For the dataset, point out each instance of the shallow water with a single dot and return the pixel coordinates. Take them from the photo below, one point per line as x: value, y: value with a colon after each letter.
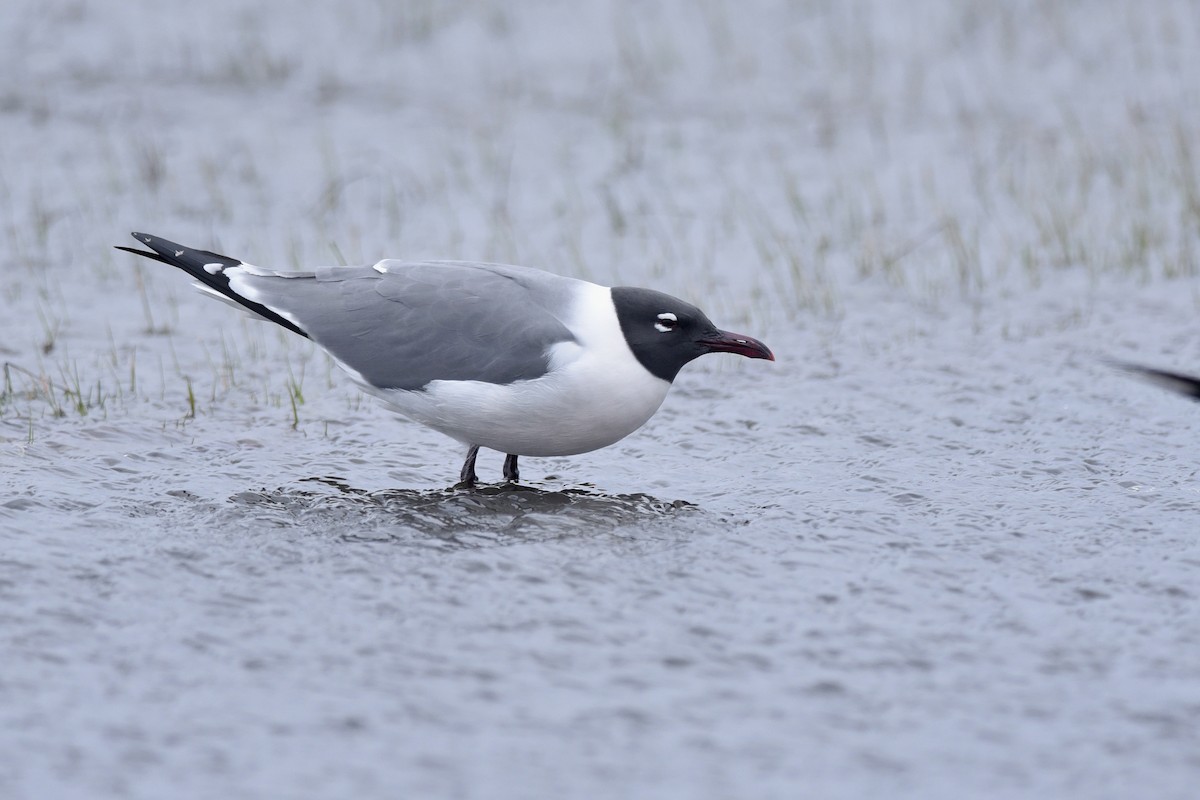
x: 938, y: 549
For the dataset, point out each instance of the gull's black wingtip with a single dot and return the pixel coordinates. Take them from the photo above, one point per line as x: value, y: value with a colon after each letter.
x: 208, y: 268
x: 145, y: 253
x: 145, y: 238
x: 1186, y: 385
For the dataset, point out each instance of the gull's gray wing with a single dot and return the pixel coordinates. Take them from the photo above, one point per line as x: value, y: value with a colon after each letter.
x: 401, y: 324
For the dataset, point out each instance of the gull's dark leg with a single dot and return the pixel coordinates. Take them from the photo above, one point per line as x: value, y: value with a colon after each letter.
x: 511, y: 474
x: 467, y: 477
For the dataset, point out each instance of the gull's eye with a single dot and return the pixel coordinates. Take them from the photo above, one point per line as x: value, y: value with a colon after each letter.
x: 667, y: 322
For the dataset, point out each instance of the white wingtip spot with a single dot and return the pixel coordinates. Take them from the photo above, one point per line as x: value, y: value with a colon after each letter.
x: 379, y: 267
x: 213, y: 269
x: 178, y: 253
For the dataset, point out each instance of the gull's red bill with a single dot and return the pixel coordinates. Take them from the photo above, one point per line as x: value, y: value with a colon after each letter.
x: 748, y: 346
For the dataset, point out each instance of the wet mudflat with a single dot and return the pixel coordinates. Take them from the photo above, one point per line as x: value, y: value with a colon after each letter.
x: 938, y: 549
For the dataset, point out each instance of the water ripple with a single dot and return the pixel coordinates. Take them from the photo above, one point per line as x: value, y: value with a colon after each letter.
x: 445, y: 519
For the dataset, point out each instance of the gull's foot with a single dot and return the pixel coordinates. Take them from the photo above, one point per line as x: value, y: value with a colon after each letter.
x: 466, y: 477
x: 511, y: 473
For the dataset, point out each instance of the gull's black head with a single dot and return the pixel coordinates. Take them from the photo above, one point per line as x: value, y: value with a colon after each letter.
x: 665, y: 333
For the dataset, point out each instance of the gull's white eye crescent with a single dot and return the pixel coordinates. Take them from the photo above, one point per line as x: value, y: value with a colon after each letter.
x: 667, y: 322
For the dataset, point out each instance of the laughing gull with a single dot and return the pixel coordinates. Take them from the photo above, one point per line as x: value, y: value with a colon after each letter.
x: 509, y: 358
x: 1175, y: 381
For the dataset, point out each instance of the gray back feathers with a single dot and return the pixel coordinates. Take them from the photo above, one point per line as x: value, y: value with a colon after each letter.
x: 401, y: 325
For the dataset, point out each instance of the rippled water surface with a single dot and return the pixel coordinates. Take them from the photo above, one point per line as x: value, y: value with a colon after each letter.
x: 938, y: 549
